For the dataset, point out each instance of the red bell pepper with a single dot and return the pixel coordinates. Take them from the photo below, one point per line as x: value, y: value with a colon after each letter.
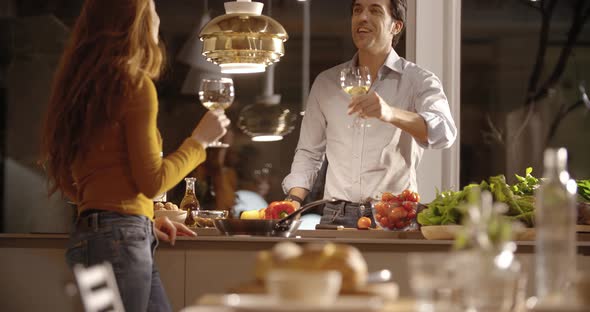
x: 278, y: 210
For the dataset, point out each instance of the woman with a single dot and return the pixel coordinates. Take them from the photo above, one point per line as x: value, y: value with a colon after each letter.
x: 101, y: 146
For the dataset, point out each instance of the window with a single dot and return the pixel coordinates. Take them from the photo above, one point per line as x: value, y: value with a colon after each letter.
x: 500, y: 134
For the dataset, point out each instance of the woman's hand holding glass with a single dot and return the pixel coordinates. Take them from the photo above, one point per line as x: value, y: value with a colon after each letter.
x: 217, y: 95
x: 211, y: 127
x: 355, y: 81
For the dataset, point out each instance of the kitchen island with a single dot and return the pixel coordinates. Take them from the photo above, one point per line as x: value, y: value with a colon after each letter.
x: 33, y: 273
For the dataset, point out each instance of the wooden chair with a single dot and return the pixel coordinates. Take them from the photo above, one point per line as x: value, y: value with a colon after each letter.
x: 98, y: 288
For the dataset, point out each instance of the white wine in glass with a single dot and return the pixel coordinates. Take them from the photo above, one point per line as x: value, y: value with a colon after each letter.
x: 217, y: 94
x: 356, y: 90
x: 355, y: 81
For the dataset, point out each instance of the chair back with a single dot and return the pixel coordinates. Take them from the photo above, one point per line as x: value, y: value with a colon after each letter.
x: 98, y: 288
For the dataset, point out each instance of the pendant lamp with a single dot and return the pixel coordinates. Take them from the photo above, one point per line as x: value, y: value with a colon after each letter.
x: 243, y: 40
x: 267, y: 120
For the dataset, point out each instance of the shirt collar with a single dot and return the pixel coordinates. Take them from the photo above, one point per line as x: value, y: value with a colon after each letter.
x: 392, y: 62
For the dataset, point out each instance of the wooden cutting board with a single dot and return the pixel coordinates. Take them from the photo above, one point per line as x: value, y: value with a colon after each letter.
x: 448, y: 232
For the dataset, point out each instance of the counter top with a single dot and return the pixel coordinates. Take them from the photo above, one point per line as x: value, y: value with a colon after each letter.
x: 210, y: 237
x: 211, y: 263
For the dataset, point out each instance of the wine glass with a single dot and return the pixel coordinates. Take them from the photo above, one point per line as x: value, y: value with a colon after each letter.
x: 217, y: 94
x: 355, y: 81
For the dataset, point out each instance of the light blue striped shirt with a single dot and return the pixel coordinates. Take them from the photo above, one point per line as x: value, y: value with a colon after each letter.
x: 366, y: 161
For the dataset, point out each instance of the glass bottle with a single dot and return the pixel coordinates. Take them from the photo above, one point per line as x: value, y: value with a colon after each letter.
x: 190, y: 202
x: 488, y: 251
x: 555, y: 222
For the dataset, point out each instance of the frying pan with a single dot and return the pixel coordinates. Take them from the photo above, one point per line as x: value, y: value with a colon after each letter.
x: 282, y: 228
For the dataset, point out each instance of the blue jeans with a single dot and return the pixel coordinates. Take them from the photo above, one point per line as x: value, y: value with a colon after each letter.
x: 346, y: 213
x: 128, y: 243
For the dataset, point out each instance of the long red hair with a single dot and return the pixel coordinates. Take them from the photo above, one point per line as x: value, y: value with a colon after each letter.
x: 111, y: 48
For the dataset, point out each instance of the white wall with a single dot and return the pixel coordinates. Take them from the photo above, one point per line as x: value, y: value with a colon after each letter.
x: 433, y: 42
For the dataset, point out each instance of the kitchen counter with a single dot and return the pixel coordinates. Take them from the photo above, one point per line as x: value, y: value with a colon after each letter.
x: 209, y: 263
x: 360, y: 238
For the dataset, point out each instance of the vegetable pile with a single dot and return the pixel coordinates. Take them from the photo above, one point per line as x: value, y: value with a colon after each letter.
x: 584, y: 190
x: 275, y: 210
x: 447, y: 207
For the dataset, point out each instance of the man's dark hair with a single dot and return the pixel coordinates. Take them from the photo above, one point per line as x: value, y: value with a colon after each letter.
x: 398, y: 10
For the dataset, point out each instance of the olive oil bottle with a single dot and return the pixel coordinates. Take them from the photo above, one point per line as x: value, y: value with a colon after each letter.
x: 190, y: 202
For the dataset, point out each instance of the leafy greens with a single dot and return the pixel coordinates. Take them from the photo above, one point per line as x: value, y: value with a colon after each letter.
x: 446, y: 208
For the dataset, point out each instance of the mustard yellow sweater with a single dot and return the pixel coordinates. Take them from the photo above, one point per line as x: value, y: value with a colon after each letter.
x: 123, y: 169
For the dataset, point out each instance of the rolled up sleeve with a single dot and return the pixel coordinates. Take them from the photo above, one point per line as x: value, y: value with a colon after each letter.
x: 431, y: 103
x: 311, y: 148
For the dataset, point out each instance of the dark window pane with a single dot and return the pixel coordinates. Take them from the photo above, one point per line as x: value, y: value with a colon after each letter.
x: 500, y: 133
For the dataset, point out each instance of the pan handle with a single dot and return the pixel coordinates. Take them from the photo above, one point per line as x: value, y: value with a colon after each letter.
x: 304, y: 208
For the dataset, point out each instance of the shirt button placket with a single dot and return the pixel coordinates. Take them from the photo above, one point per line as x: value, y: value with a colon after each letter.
x: 357, y: 163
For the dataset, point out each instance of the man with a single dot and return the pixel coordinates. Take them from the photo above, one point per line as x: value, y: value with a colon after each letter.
x: 404, y: 112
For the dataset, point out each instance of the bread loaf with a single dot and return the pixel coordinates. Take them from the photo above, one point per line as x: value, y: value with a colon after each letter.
x: 343, y: 258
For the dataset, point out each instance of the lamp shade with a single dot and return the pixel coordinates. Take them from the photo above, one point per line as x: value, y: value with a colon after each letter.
x: 243, y: 40
x: 266, y: 122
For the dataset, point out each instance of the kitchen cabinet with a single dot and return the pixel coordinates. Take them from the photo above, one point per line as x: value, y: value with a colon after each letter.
x: 33, y: 272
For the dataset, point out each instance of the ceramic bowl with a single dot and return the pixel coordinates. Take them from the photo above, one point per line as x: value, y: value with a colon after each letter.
x: 317, y: 288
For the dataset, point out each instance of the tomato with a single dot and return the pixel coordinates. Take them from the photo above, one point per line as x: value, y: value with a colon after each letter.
x: 398, y: 213
x: 387, y: 196
x: 413, y: 197
x: 381, y: 208
x: 405, y: 194
x: 412, y: 214
x: 392, y: 218
x: 400, y: 224
x: 384, y: 221
x: 363, y: 223
x: 378, y: 216
x: 408, y: 205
